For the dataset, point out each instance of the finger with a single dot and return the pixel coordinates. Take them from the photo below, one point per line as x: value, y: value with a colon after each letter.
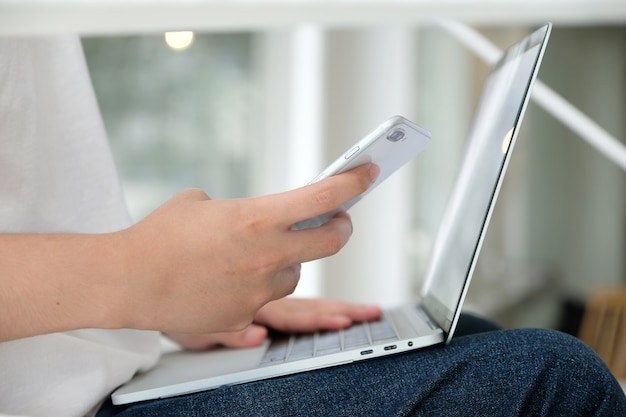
x: 305, y: 315
x: 313, y: 323
x: 361, y: 312
x: 253, y: 335
x: 323, y: 196
x: 286, y: 281
x: 320, y: 242
x: 332, y: 320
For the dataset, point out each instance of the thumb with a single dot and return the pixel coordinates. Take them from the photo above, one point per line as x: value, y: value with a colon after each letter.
x: 251, y: 336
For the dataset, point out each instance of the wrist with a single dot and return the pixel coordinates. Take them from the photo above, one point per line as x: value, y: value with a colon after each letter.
x: 114, y: 288
x: 52, y: 283
x: 93, y: 293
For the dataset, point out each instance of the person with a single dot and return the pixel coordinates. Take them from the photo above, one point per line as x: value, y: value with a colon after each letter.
x: 85, y: 295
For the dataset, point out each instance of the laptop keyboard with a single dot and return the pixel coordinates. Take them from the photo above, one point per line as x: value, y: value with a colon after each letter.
x: 309, y: 345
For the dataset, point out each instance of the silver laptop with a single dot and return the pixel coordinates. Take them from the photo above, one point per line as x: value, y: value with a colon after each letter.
x: 426, y: 322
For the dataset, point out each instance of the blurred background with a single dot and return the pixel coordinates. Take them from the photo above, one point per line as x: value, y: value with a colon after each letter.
x: 260, y: 96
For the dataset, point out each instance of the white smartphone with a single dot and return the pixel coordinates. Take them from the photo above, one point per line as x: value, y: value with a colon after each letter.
x: 390, y: 146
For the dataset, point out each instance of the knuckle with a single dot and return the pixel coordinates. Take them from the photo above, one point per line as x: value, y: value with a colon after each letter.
x: 334, y: 243
x: 195, y: 194
x: 242, y: 323
x: 364, y: 184
x: 292, y: 280
x: 290, y: 291
x: 254, y: 225
x: 297, y: 269
x: 253, y: 222
x: 266, y: 264
x: 326, y: 197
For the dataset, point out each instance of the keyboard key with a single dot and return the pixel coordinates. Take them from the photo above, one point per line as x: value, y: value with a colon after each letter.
x: 302, y: 348
x: 328, y: 342
x: 276, y: 353
x: 382, y: 330
x: 355, y: 336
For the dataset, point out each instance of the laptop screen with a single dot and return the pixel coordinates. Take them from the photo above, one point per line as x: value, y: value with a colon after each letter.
x: 496, y: 121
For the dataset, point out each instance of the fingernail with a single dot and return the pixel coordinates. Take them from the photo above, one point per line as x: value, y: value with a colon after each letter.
x: 254, y: 334
x: 374, y: 172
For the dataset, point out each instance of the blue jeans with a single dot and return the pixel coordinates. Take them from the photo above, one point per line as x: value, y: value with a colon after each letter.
x: 484, y: 371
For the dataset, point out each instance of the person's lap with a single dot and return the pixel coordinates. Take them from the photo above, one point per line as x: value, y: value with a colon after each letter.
x: 483, y: 371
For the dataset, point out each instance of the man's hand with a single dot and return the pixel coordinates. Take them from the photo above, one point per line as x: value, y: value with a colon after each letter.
x: 204, y: 266
x: 287, y: 315
x: 194, y: 265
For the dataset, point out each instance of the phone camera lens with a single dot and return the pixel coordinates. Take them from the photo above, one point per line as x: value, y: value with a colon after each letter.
x: 396, y: 135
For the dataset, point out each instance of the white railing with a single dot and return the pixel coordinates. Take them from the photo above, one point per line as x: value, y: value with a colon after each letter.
x: 28, y: 17
x: 548, y: 99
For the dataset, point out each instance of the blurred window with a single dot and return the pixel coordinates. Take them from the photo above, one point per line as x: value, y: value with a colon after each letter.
x: 176, y: 118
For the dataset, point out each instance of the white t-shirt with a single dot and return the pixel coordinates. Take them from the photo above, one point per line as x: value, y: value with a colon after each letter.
x: 57, y: 175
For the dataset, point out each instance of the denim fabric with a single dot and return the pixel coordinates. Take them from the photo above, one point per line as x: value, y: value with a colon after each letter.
x: 482, y: 372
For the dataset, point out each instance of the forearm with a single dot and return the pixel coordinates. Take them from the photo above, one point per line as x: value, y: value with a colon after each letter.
x: 51, y: 283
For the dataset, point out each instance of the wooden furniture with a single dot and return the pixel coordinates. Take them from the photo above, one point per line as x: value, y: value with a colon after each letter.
x: 604, y: 328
